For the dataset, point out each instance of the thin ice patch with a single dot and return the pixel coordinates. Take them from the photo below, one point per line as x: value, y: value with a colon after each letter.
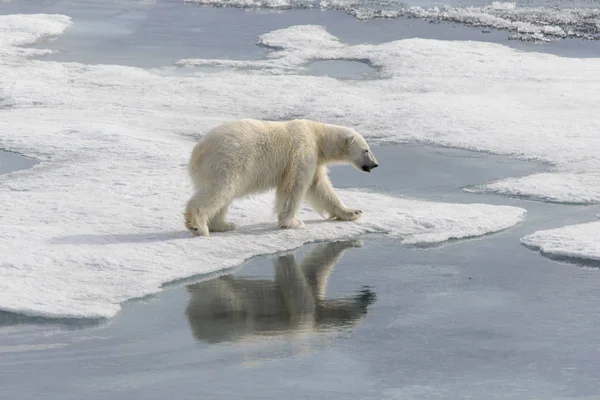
x: 573, y: 241
x: 564, y: 188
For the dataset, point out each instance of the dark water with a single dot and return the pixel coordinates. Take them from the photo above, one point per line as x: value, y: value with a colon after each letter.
x: 157, y: 34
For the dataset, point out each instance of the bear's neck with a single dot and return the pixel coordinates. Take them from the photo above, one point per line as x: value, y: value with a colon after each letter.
x: 331, y: 141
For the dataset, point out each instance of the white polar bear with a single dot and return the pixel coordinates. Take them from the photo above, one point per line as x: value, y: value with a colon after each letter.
x: 250, y: 156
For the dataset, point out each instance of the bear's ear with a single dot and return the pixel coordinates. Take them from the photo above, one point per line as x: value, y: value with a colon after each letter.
x: 349, y: 139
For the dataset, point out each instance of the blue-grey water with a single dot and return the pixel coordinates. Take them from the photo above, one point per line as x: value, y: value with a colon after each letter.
x: 158, y: 33
x: 484, y: 318
x: 10, y: 162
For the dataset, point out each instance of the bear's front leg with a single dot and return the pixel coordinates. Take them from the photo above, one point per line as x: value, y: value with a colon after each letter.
x: 346, y: 214
x: 294, y: 223
x: 323, y: 198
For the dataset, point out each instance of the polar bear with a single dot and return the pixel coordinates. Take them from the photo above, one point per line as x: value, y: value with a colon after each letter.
x: 250, y: 156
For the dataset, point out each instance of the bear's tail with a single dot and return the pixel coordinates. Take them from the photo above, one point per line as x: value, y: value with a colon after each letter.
x: 197, y: 158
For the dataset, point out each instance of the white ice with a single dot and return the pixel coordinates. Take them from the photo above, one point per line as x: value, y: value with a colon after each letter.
x: 570, y: 188
x: 574, y: 241
x: 472, y: 95
x: 99, y: 220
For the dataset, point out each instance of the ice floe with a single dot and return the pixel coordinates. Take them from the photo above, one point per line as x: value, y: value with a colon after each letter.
x: 472, y: 95
x: 99, y: 220
x: 573, y: 241
x: 570, y: 188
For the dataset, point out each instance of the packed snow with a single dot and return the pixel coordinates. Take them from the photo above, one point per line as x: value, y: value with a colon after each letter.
x: 99, y: 220
x: 526, y: 23
x: 573, y: 241
x: 570, y: 188
x: 472, y: 95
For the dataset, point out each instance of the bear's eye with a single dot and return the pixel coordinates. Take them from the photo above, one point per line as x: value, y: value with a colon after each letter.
x: 366, y: 151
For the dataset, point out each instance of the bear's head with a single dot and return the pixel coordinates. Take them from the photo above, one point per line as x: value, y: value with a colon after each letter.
x: 358, y: 152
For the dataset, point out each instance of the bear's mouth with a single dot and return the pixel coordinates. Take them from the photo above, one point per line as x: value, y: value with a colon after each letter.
x: 366, y: 168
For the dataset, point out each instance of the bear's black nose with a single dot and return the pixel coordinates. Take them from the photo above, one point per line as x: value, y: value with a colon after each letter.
x: 376, y: 165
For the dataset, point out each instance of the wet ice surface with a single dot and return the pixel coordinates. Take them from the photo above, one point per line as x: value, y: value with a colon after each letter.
x: 343, y: 69
x: 10, y: 162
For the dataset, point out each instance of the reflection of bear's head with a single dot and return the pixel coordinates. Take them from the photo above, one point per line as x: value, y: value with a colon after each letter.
x: 358, y: 151
x: 233, y: 309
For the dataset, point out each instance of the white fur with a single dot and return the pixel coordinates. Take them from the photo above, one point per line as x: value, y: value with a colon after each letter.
x: 251, y: 156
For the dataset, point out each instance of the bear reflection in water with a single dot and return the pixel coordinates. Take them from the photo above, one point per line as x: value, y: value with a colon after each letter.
x: 234, y: 309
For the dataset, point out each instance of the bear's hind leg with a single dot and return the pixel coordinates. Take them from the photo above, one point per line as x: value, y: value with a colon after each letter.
x: 202, y: 207
x: 194, y: 221
x: 218, y: 224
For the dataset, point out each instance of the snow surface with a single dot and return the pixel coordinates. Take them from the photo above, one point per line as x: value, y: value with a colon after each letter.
x: 527, y: 23
x: 473, y: 95
x: 99, y: 220
x: 577, y: 241
x: 551, y: 187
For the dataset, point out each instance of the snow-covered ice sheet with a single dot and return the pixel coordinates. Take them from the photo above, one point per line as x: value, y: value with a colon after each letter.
x: 85, y: 263
x: 472, y: 95
x: 99, y: 220
x: 527, y: 23
x: 574, y: 241
x: 570, y: 188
